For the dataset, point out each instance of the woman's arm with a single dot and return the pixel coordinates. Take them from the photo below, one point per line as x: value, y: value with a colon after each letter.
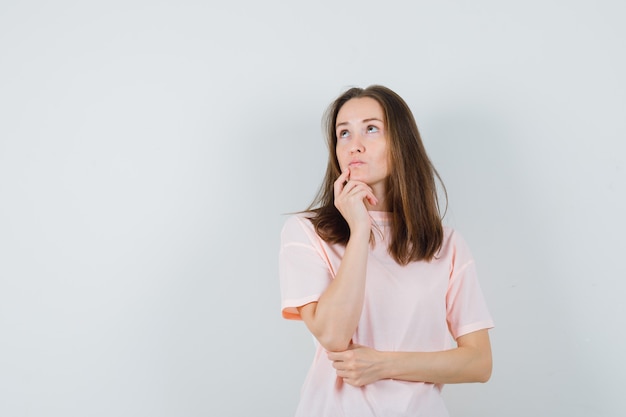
x: 469, y: 362
x: 334, y: 317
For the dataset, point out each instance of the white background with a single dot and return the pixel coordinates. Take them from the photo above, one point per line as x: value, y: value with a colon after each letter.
x: 149, y: 149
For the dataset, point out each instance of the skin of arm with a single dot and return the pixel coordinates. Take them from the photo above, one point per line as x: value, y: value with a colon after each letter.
x: 470, y: 361
x: 334, y: 317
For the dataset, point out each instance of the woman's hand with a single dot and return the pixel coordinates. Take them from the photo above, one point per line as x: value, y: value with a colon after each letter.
x: 350, y: 197
x: 358, y: 366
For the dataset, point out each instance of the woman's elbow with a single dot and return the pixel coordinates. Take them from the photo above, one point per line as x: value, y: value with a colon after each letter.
x: 483, y: 373
x: 333, y: 344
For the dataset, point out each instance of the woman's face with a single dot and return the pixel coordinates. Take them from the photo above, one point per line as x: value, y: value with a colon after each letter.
x: 362, y: 144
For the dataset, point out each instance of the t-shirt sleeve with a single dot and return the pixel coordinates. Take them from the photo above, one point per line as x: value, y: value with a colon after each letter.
x: 304, y: 272
x: 467, y: 310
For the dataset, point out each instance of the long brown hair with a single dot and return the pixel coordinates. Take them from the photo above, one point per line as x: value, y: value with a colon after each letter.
x: 416, y: 227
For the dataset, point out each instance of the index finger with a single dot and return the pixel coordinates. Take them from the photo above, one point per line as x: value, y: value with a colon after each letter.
x: 345, y: 174
x: 341, y: 180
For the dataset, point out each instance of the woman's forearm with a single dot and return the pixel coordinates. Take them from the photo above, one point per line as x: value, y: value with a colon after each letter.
x: 335, y: 316
x: 470, y: 362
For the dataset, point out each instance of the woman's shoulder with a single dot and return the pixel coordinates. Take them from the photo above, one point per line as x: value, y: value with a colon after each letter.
x: 454, y: 243
x: 299, y: 219
x: 298, y: 226
x: 450, y: 233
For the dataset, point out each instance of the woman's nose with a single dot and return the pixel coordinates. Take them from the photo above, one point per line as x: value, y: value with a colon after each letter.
x: 357, y: 145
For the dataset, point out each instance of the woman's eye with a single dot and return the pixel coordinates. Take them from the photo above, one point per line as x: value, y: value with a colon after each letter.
x: 343, y: 134
x: 372, y: 129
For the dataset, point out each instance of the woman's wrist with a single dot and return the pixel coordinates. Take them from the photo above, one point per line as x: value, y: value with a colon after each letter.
x: 386, y: 365
x: 361, y: 232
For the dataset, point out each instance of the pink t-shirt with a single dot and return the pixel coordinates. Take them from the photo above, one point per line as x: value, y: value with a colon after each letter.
x: 416, y: 307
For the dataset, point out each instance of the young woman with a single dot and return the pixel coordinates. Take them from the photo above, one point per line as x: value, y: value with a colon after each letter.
x: 390, y: 294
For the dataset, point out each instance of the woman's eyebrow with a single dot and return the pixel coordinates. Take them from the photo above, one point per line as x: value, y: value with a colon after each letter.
x: 376, y: 119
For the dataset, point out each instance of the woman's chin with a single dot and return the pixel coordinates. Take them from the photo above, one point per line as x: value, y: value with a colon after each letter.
x: 357, y: 177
